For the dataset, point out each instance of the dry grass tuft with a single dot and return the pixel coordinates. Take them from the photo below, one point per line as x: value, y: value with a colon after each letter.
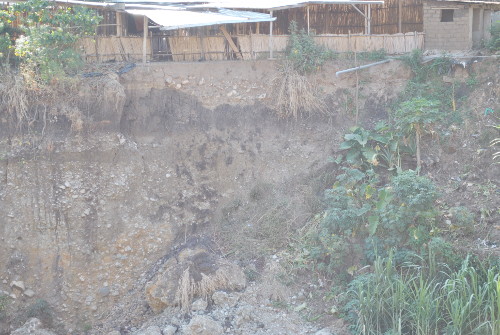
x: 189, y: 288
x: 294, y: 95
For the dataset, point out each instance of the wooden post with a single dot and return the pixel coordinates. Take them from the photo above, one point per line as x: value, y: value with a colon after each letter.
x: 400, y: 15
x: 257, y: 28
x: 366, y: 19
x: 118, y: 24
x: 202, y: 43
x: 369, y: 19
x: 357, y: 87
x: 231, y: 43
x: 271, y: 37
x: 481, y: 24
x: 145, y: 39
x: 349, y: 41
x: 308, y: 24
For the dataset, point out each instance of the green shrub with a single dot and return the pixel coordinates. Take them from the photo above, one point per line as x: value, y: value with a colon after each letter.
x: 305, y: 54
x: 361, y: 213
x: 462, y: 218
x: 46, y: 36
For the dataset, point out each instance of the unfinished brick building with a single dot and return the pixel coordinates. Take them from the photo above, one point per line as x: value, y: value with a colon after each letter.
x: 457, y: 25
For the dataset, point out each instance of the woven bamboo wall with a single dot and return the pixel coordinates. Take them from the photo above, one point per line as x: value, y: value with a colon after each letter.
x: 112, y: 48
x: 189, y: 48
x: 342, y: 19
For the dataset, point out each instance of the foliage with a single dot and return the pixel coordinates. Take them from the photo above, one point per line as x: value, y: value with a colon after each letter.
x: 44, y: 40
x: 410, y: 301
x: 358, y: 150
x: 462, y: 218
x: 367, y: 149
x: 424, y: 72
x: 305, y: 55
x: 377, y: 218
x: 494, y: 42
x: 416, y: 117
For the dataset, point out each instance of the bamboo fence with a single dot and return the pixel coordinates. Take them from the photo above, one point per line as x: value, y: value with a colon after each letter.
x: 113, y: 48
x: 194, y: 48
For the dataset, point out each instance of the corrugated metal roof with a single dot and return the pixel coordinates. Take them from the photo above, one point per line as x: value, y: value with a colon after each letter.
x: 278, y: 4
x: 254, y: 4
x: 173, y: 19
x: 487, y: 2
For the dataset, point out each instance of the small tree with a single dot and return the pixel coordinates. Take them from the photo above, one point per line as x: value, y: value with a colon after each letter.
x: 415, y: 117
x: 45, y: 40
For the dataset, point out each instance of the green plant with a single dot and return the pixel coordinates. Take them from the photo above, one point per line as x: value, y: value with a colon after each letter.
x: 416, y: 117
x: 362, y: 215
x: 44, y: 40
x: 462, y: 218
x: 305, y: 55
x: 358, y: 150
x: 407, y: 300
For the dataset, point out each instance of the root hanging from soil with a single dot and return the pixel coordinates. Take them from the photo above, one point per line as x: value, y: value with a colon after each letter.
x: 28, y: 105
x: 294, y: 94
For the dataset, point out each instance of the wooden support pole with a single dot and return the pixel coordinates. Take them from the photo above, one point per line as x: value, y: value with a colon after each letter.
x: 308, y: 22
x: 202, y: 43
x: 271, y: 37
x: 400, y: 15
x: 145, y: 39
x: 366, y: 19
x: 481, y: 24
x: 118, y: 24
x: 369, y: 19
x: 231, y: 43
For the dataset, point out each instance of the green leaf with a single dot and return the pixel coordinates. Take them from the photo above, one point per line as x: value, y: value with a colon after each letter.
x: 345, y: 145
x: 352, y: 156
x: 385, y: 196
x: 373, y: 221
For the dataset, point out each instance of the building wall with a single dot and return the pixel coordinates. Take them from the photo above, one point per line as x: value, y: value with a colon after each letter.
x: 447, y: 35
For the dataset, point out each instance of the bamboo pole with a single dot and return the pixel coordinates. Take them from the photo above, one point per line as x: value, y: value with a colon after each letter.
x: 145, y: 39
x: 271, y: 37
x: 357, y: 88
x: 118, y: 24
x: 308, y: 23
x: 400, y: 13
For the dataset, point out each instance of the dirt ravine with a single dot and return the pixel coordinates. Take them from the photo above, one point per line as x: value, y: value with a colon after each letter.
x: 87, y: 218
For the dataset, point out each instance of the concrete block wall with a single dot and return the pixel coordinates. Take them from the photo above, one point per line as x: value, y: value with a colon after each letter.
x: 446, y: 35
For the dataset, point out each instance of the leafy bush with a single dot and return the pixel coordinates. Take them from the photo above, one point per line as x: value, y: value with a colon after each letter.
x: 305, y: 55
x: 377, y: 218
x: 462, y: 218
x: 44, y: 40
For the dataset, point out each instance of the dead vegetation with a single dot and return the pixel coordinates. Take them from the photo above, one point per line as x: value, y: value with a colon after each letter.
x: 28, y: 107
x: 294, y: 95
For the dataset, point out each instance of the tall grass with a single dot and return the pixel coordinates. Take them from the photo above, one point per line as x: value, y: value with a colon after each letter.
x: 409, y: 300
